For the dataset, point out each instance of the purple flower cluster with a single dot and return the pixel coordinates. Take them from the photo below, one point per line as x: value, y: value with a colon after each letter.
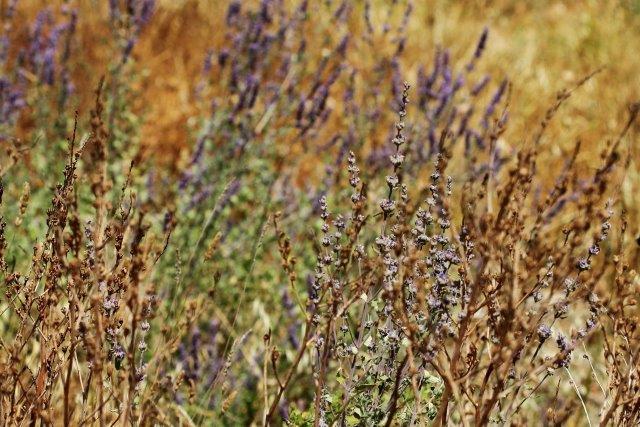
x: 198, y: 354
x: 45, y: 46
x: 11, y: 100
x: 451, y: 102
x: 134, y: 16
x: 46, y: 57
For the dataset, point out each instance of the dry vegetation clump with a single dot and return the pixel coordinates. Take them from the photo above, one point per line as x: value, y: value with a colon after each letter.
x: 318, y: 213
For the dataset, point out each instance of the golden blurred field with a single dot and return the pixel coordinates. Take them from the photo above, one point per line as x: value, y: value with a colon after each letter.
x: 540, y: 46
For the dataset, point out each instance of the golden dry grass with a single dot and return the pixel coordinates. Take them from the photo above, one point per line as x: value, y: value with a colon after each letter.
x: 541, y: 47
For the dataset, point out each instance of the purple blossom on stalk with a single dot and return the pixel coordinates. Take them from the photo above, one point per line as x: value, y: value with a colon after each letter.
x: 446, y: 89
x: 570, y: 285
x: 478, y: 87
x: 144, y: 12
x: 406, y: 16
x: 264, y: 11
x: 70, y: 29
x: 114, y: 10
x: 459, y: 82
x: 119, y: 354
x: 4, y: 48
x: 283, y: 410
x: 166, y: 223
x: 196, y: 340
x: 150, y: 183
x: 439, y: 63
x: 562, y: 342
x: 141, y: 12
x: 128, y: 48
x: 40, y: 58
x: 42, y: 49
x: 495, y: 100
x: 544, y: 332
x: 342, y: 46
x: 433, y: 142
x: 464, y: 121
x: 292, y: 329
x: 583, y: 264
x: 11, y: 101
x: 223, y: 56
x: 341, y: 11
x: 482, y: 42
x: 140, y: 373
x: 449, y: 116
x: 198, y: 354
x: 565, y: 347
x: 476, y: 137
x: 206, y: 67
x: 232, y: 12
x: 42, y: 19
x: 249, y: 93
x: 48, y: 64
x: 422, y: 89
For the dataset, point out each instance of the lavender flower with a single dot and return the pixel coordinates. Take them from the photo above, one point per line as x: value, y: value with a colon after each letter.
x: 583, y: 264
x: 11, y: 101
x: 495, y: 100
x: 233, y: 11
x: 544, y: 332
x: 144, y: 12
x: 478, y: 87
x: 118, y: 354
x: 481, y: 43
x: 565, y: 347
x: 114, y: 10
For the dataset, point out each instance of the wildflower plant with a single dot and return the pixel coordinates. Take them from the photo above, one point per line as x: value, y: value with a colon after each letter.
x: 333, y: 245
x: 447, y: 311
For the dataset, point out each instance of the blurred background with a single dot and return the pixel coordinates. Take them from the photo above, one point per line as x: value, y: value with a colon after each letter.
x: 540, y: 46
